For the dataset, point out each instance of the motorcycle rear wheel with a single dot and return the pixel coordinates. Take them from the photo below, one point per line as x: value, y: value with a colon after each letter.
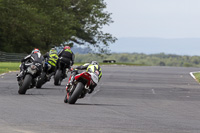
x: 41, y: 80
x: 57, y: 77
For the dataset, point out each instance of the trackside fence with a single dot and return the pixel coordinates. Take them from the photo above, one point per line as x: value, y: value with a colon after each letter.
x: 13, y: 57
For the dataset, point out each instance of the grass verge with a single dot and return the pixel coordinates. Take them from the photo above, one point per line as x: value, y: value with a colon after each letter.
x: 14, y: 66
x: 9, y: 66
x: 197, y: 76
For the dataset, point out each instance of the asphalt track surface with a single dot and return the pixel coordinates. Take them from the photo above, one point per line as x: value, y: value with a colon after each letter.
x: 128, y: 99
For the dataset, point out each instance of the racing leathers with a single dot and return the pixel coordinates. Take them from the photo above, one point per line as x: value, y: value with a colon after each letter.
x: 87, y: 67
x: 51, y: 61
x: 67, y: 56
x: 35, y: 58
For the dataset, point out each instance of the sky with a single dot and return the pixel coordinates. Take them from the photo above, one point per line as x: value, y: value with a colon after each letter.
x: 167, y: 19
x: 155, y: 18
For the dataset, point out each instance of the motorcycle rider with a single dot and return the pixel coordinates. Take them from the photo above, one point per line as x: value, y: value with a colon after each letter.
x: 51, y: 61
x: 34, y: 57
x: 68, y: 56
x: 93, y: 65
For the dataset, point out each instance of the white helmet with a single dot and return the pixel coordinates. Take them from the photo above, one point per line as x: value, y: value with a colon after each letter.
x: 94, y: 63
x: 35, y: 51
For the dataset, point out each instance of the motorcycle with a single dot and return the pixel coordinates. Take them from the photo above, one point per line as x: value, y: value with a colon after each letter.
x: 81, y: 86
x: 45, y: 75
x: 62, y: 70
x: 27, y: 78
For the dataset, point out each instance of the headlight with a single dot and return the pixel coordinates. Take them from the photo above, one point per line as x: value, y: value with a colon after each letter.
x: 33, y: 67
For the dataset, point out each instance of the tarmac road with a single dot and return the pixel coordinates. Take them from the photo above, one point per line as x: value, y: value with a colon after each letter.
x: 128, y: 99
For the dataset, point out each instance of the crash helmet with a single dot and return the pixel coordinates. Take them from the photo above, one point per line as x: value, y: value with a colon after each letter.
x: 52, y: 51
x: 67, y: 47
x: 35, y: 51
x: 94, y: 63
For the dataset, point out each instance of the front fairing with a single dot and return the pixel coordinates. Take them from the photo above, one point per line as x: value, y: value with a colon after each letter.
x: 32, y: 70
x: 94, y: 77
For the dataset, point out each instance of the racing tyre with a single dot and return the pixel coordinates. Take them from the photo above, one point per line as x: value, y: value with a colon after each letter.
x: 75, y: 95
x: 41, y: 80
x: 57, y: 77
x: 26, y: 84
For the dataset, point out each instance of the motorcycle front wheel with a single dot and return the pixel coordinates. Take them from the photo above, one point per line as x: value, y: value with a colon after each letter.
x: 26, y: 84
x: 76, y: 93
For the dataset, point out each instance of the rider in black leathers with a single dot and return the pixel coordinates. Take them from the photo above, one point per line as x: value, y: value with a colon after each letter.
x: 67, y: 56
x: 34, y: 57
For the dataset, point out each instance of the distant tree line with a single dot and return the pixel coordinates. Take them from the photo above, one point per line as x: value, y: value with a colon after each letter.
x: 160, y: 59
x: 25, y: 24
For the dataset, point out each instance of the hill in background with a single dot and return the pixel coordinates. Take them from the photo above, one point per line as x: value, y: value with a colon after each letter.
x: 144, y: 59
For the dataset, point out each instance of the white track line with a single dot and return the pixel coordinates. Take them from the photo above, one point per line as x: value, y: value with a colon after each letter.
x: 192, y: 75
x: 7, y: 72
x: 2, y: 74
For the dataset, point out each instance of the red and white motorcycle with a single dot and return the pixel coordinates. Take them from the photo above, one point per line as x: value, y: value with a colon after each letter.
x: 81, y: 86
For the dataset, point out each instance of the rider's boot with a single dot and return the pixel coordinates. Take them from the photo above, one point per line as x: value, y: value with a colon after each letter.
x: 71, y: 80
x: 19, y: 75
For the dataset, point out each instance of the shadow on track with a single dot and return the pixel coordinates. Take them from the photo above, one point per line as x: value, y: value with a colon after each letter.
x: 91, y: 104
x: 49, y: 88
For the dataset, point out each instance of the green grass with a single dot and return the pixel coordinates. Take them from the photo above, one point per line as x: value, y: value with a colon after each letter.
x: 197, y: 76
x: 9, y: 66
x: 14, y: 66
